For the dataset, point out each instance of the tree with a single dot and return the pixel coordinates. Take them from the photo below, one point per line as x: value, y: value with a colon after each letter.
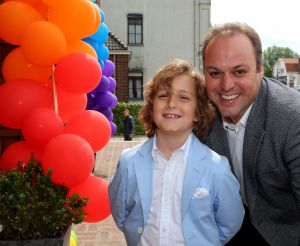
x: 271, y: 55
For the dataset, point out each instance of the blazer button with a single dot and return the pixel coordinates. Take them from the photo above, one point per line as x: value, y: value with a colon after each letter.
x: 140, y: 229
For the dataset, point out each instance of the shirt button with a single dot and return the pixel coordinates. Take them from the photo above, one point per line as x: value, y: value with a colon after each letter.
x: 140, y: 229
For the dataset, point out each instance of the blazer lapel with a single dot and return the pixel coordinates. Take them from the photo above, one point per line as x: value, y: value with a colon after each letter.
x: 195, y: 169
x: 253, y: 138
x: 143, y: 165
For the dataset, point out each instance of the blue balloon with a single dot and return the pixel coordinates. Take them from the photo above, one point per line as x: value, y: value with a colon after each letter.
x: 92, y: 42
x: 102, y: 52
x: 102, y: 15
x: 101, y: 35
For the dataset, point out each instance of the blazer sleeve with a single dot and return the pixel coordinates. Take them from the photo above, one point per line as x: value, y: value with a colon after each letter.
x: 228, y: 206
x: 117, y: 195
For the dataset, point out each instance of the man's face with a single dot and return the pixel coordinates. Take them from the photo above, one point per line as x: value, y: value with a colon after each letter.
x: 231, y: 76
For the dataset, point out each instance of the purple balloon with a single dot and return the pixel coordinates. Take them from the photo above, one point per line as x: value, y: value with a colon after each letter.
x: 106, y: 112
x: 115, y: 101
x: 91, y: 102
x: 109, y: 68
x: 112, y: 84
x: 111, y: 117
x: 113, y: 128
x: 104, y: 99
x: 103, y: 85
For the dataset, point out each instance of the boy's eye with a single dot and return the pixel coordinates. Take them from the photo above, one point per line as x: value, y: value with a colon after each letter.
x: 184, y: 97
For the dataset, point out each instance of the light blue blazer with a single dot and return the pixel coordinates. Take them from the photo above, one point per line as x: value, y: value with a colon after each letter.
x: 211, y: 210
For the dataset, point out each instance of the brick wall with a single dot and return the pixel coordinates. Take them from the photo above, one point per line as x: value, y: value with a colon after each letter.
x: 121, y: 76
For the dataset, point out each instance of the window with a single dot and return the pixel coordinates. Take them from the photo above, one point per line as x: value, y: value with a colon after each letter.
x: 135, y: 88
x: 135, y: 29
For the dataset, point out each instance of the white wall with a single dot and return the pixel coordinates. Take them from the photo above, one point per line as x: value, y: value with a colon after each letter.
x: 171, y: 28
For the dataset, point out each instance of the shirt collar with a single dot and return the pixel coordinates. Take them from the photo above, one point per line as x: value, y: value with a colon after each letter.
x: 242, y: 122
x: 184, y: 148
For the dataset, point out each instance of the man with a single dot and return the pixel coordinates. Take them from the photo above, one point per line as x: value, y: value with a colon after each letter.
x: 258, y: 129
x: 129, y: 126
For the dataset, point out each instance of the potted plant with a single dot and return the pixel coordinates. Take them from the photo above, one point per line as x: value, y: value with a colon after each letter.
x: 35, y: 211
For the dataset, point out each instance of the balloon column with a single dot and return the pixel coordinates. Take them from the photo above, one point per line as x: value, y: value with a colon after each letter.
x: 101, y: 98
x: 47, y: 78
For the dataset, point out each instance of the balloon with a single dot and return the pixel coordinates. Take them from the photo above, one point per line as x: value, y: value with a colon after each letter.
x: 96, y: 190
x: 40, y: 125
x: 113, y: 128
x: 106, y: 111
x: 72, y: 241
x: 109, y: 68
x: 91, y: 100
x: 16, y: 66
x: 102, y: 15
x: 80, y: 46
x: 105, y: 99
x: 114, y: 101
x: 70, y: 158
x: 18, y: 151
x: 112, y: 84
x: 76, y: 18
x: 73, y: 234
x: 18, y: 98
x: 15, y: 17
x: 97, y: 20
x: 103, y: 85
x: 102, y: 52
x: 101, y: 35
x: 49, y: 2
x: 92, y: 126
x: 69, y: 103
x: 78, y: 73
x: 43, y: 43
x: 29, y: 2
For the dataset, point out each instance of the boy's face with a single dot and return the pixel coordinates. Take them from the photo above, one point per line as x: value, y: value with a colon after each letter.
x: 174, y: 110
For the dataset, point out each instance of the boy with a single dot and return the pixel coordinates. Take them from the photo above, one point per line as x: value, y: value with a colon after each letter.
x: 172, y: 189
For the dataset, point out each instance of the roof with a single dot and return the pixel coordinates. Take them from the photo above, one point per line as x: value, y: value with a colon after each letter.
x: 291, y: 64
x: 113, y: 43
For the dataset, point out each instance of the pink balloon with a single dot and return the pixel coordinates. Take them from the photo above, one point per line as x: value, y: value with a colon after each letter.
x: 70, y: 158
x: 92, y: 126
x: 78, y: 73
x: 96, y: 190
x: 40, y: 125
x: 19, y: 97
x: 18, y: 151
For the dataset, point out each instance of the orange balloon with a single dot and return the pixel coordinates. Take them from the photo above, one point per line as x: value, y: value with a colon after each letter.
x: 76, y: 18
x: 15, y: 17
x: 43, y: 43
x: 29, y: 2
x: 49, y: 2
x: 42, y: 9
x: 98, y: 19
x: 16, y: 66
x: 80, y: 46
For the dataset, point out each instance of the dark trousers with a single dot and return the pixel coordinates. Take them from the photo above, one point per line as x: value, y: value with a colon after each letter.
x: 247, y: 235
x: 127, y: 137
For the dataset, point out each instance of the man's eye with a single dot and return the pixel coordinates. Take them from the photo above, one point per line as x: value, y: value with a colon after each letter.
x: 215, y: 74
x: 239, y: 72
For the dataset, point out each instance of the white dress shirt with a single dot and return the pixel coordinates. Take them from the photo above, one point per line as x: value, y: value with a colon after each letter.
x: 164, y: 227
x: 235, y: 136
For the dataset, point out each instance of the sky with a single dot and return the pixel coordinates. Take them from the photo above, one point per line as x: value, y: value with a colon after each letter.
x: 276, y: 24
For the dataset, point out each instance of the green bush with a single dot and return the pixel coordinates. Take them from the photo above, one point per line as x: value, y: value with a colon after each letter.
x: 32, y: 207
x: 134, y: 110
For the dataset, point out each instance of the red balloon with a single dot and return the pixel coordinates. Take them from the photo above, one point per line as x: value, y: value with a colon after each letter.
x: 40, y: 125
x: 18, y: 151
x: 69, y: 103
x: 96, y: 190
x: 19, y: 97
x: 70, y: 158
x: 93, y: 126
x: 78, y: 73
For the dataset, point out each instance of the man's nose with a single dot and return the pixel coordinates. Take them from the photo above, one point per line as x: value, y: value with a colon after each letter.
x: 227, y: 82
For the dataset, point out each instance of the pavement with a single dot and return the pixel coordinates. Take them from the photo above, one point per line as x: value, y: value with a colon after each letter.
x: 105, y: 232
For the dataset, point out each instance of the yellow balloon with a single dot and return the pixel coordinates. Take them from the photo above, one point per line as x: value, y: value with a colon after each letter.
x: 72, y: 242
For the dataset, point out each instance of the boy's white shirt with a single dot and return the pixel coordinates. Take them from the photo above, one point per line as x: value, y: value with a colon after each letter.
x: 164, y: 222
